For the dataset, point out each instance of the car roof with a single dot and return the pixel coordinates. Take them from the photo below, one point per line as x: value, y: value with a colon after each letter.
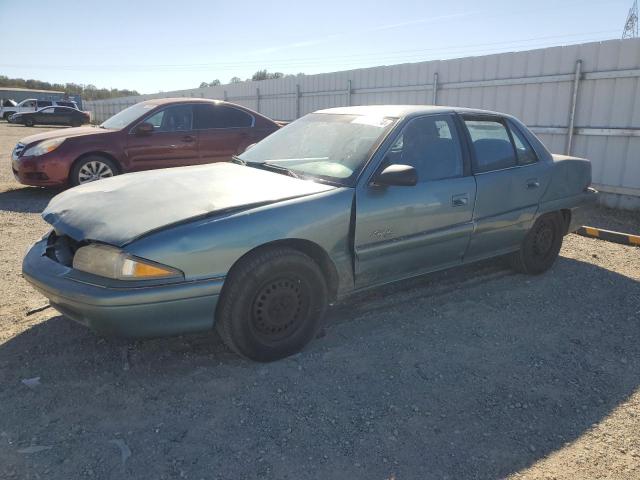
x: 189, y: 100
x: 164, y: 101
x: 401, y: 110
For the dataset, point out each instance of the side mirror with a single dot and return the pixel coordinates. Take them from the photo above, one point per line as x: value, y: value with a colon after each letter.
x: 145, y: 128
x: 396, y: 175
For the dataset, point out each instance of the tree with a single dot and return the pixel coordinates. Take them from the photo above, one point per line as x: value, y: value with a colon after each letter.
x: 204, y: 84
x: 264, y: 75
x: 88, y: 92
x: 215, y: 83
x: 260, y: 75
x: 235, y: 80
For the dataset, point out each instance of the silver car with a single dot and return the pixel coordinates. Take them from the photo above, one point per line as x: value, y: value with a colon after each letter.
x: 338, y: 201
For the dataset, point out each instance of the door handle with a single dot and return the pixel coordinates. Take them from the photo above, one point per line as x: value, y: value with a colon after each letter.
x: 459, y: 200
x: 533, y: 183
x: 188, y: 138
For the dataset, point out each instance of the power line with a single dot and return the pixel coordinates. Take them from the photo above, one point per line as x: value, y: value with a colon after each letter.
x: 395, y: 56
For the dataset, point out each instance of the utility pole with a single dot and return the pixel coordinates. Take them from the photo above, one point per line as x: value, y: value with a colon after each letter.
x: 631, y: 25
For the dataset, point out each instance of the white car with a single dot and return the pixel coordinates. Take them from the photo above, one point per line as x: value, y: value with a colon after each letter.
x: 32, y: 105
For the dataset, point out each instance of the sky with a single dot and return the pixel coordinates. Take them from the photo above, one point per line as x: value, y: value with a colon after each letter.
x: 166, y: 45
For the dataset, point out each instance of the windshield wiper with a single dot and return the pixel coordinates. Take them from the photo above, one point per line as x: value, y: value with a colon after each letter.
x: 267, y: 166
x: 280, y: 169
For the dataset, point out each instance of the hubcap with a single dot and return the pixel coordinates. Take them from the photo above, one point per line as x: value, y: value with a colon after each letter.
x: 94, y: 170
x: 279, y: 308
x: 543, y: 240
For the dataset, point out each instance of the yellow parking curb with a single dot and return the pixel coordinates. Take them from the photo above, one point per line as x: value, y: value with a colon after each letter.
x: 609, y: 236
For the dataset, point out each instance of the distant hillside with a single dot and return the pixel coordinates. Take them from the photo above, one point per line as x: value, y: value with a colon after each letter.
x: 88, y: 92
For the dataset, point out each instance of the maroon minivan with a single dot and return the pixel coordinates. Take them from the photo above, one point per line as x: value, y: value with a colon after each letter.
x: 168, y: 132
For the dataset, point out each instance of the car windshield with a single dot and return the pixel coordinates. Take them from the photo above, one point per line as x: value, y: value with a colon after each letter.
x: 126, y: 116
x: 325, y: 146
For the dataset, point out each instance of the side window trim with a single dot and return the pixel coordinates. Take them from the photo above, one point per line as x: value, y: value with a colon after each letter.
x: 465, y: 146
x: 488, y: 118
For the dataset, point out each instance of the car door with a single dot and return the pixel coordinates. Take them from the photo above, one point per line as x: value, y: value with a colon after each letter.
x: 27, y: 106
x: 65, y: 115
x: 44, y: 116
x: 60, y: 116
x: 223, y: 131
x: 172, y: 143
x: 406, y: 230
x: 510, y: 181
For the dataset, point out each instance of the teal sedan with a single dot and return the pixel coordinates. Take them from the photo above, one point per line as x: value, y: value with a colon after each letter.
x: 338, y: 201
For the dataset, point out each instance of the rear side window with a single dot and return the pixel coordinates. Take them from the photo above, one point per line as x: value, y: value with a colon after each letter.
x: 67, y: 104
x: 62, y: 110
x: 491, y: 144
x: 221, y: 116
x: 524, y: 151
x: 44, y: 103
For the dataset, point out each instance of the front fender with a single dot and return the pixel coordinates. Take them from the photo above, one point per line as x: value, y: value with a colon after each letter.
x: 208, y: 248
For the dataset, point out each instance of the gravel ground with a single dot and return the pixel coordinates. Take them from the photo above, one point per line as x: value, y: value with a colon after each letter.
x: 473, y: 373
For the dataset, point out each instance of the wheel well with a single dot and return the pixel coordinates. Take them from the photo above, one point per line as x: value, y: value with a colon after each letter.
x: 566, y: 219
x: 97, y: 154
x: 311, y: 249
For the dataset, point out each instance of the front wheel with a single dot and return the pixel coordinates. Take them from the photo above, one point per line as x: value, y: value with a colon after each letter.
x: 92, y: 168
x: 541, y: 245
x: 29, y: 122
x: 272, y: 304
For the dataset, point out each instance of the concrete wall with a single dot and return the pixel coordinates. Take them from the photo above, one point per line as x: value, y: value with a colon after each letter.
x: 536, y: 86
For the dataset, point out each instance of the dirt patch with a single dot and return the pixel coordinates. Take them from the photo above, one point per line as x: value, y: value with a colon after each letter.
x: 476, y: 372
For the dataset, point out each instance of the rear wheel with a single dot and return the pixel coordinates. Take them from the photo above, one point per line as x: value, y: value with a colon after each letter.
x: 92, y: 168
x: 76, y: 123
x: 272, y: 304
x: 541, y: 245
x: 6, y: 115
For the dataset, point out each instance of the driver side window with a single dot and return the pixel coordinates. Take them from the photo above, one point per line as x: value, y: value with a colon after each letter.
x: 431, y: 145
x: 178, y: 118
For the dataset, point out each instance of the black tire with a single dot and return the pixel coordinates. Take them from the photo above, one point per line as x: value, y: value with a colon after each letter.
x: 75, y: 178
x: 28, y: 122
x: 272, y: 304
x: 6, y: 115
x: 541, y: 245
x: 76, y: 123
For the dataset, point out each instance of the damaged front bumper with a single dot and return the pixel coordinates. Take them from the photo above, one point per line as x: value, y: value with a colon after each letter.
x: 126, y: 311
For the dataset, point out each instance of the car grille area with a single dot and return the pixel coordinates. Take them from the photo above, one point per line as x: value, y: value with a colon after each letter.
x: 62, y: 248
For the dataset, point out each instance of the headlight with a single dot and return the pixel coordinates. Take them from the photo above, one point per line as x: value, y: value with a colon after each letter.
x: 44, y: 147
x: 113, y: 263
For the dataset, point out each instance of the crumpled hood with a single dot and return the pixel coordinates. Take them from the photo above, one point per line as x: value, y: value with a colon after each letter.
x: 64, y: 132
x: 120, y: 209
